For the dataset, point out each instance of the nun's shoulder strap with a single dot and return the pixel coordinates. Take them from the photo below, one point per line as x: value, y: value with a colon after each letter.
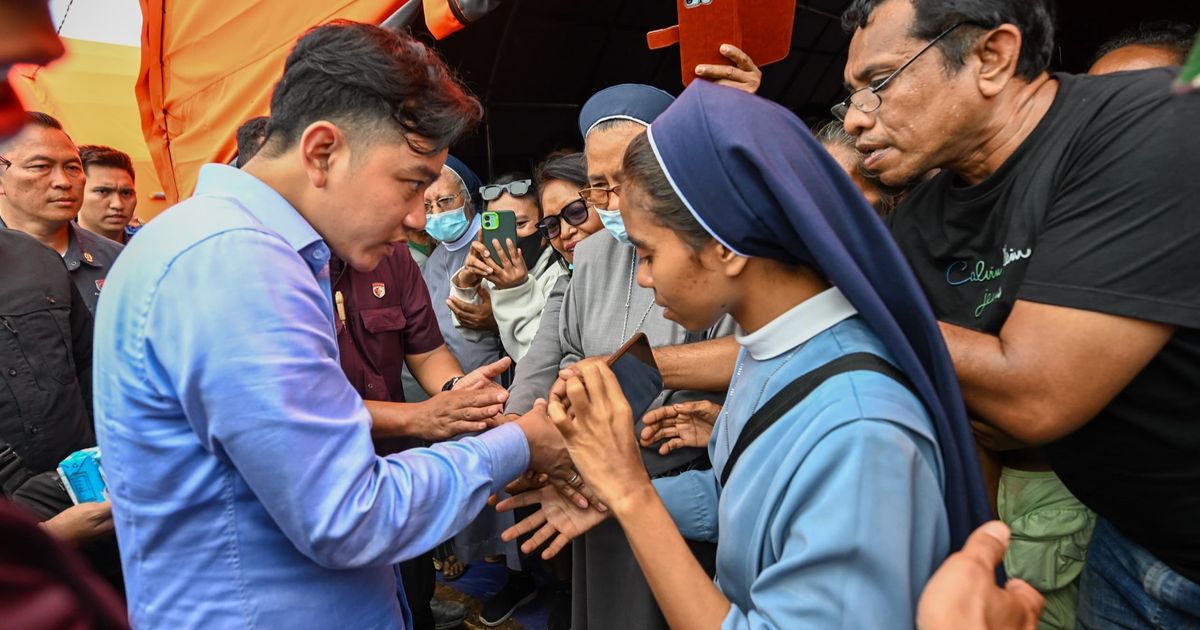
x: 799, y: 389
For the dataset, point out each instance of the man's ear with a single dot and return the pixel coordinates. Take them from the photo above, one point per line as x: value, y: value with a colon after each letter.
x: 998, y: 52
x: 318, y: 143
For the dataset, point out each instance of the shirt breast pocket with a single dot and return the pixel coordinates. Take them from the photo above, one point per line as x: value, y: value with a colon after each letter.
x: 43, y: 340
x: 384, y: 338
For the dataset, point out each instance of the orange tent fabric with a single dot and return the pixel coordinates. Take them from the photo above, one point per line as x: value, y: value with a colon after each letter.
x: 90, y: 90
x: 207, y: 67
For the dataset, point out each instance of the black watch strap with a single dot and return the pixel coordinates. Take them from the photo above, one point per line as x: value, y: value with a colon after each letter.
x: 451, y: 383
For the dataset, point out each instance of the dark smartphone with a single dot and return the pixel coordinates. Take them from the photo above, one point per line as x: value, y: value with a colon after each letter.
x: 499, y: 225
x: 637, y: 373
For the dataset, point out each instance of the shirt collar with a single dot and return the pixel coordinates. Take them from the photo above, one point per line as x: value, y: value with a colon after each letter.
x: 803, y: 322
x: 79, y: 249
x: 262, y: 201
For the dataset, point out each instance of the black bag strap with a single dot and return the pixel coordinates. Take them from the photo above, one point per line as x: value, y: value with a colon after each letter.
x: 799, y: 389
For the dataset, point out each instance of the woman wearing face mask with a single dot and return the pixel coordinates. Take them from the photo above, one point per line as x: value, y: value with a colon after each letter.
x: 521, y: 279
x: 566, y: 218
x: 843, y: 468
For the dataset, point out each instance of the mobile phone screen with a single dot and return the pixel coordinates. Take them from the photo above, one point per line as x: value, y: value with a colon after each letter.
x: 637, y: 374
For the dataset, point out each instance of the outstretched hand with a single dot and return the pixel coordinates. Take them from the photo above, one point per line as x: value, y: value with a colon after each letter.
x: 557, y: 522
x: 963, y: 592
x: 688, y: 424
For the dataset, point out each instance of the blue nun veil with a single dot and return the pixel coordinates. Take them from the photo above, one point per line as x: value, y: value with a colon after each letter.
x: 759, y: 182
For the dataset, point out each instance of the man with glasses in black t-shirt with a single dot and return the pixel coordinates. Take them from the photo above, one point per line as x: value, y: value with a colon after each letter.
x: 1057, y: 248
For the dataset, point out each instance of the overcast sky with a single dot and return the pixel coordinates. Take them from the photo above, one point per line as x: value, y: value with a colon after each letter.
x: 111, y: 21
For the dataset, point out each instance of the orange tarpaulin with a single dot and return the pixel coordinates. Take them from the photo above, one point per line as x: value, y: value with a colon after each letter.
x: 90, y: 90
x: 207, y: 67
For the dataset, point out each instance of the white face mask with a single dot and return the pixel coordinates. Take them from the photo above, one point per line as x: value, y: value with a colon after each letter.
x: 615, y: 225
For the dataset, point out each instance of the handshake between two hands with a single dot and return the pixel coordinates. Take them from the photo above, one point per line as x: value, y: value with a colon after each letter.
x: 585, y: 461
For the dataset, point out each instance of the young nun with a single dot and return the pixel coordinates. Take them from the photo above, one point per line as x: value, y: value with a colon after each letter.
x: 840, y: 511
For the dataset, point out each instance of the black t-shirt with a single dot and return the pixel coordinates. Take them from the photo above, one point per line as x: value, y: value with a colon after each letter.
x: 1097, y: 211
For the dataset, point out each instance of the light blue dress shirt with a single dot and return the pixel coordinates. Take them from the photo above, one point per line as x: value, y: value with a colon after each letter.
x: 834, y: 517
x: 246, y: 492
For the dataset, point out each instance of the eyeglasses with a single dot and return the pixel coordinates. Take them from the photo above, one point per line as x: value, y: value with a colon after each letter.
x: 519, y: 188
x: 444, y: 204
x: 574, y: 213
x: 867, y: 99
x: 597, y: 196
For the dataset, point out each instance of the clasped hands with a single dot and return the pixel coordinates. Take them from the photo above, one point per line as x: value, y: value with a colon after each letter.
x: 596, y: 468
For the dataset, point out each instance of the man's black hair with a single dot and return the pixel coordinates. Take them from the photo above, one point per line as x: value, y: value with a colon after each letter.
x: 98, y: 155
x: 1174, y: 37
x: 1034, y: 18
x: 373, y: 80
x: 250, y: 138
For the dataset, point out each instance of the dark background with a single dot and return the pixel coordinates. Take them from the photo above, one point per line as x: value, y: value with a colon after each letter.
x: 534, y: 62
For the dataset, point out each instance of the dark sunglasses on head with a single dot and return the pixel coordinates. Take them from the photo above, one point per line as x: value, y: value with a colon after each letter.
x: 519, y: 188
x: 574, y: 213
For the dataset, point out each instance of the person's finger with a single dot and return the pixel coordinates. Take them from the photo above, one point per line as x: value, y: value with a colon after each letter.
x: 569, y: 492
x: 611, y: 391
x: 1030, y: 599
x: 525, y: 499
x: 721, y: 74
x: 455, y: 308
x: 578, y: 395
x: 671, y: 445
x: 559, y: 543
x: 522, y: 527
x: 986, y: 545
x: 539, y: 538
x: 503, y: 251
x: 558, y: 415
x: 655, y: 416
x: 459, y: 427
x: 492, y: 370
x: 738, y: 57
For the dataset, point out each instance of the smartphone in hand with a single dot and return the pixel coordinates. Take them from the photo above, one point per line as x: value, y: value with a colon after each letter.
x: 499, y: 225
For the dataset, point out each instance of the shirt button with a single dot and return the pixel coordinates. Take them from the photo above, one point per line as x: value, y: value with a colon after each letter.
x: 50, y: 299
x: 33, y: 429
x: 370, y: 385
x: 12, y: 372
x: 319, y: 254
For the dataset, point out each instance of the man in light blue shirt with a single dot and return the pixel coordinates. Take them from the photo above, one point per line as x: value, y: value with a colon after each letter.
x: 245, y: 488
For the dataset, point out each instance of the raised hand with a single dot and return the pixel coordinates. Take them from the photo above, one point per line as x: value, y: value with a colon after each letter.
x: 742, y: 74
x: 474, y: 268
x: 557, y: 522
x: 598, y: 431
x: 963, y: 592
x: 509, y: 271
x: 681, y: 425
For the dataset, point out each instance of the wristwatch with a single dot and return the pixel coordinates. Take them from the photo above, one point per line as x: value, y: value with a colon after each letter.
x: 449, y: 385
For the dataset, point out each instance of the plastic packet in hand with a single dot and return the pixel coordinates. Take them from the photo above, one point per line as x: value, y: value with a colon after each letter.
x: 82, y: 476
x: 1189, y: 76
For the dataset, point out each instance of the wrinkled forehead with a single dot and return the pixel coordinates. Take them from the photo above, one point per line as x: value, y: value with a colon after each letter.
x: 883, y: 44
x: 448, y: 183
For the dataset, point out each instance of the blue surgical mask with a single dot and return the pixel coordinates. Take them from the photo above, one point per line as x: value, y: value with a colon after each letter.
x: 615, y: 225
x: 447, y: 226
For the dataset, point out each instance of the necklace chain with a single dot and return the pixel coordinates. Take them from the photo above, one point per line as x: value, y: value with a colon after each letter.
x: 629, y: 303
x: 737, y: 377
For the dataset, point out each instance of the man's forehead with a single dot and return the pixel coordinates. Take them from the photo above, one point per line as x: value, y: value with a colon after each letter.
x: 107, y: 173
x: 36, y: 139
x: 885, y: 41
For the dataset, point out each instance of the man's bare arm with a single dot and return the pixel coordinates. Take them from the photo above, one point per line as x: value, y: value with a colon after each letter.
x: 1052, y: 369
x: 703, y: 366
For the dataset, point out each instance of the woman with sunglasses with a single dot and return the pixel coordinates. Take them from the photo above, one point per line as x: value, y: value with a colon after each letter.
x: 566, y: 219
x: 843, y: 467
x: 519, y: 282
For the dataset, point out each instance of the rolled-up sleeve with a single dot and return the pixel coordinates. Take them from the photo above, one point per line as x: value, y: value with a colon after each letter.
x: 257, y: 373
x: 692, y: 499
